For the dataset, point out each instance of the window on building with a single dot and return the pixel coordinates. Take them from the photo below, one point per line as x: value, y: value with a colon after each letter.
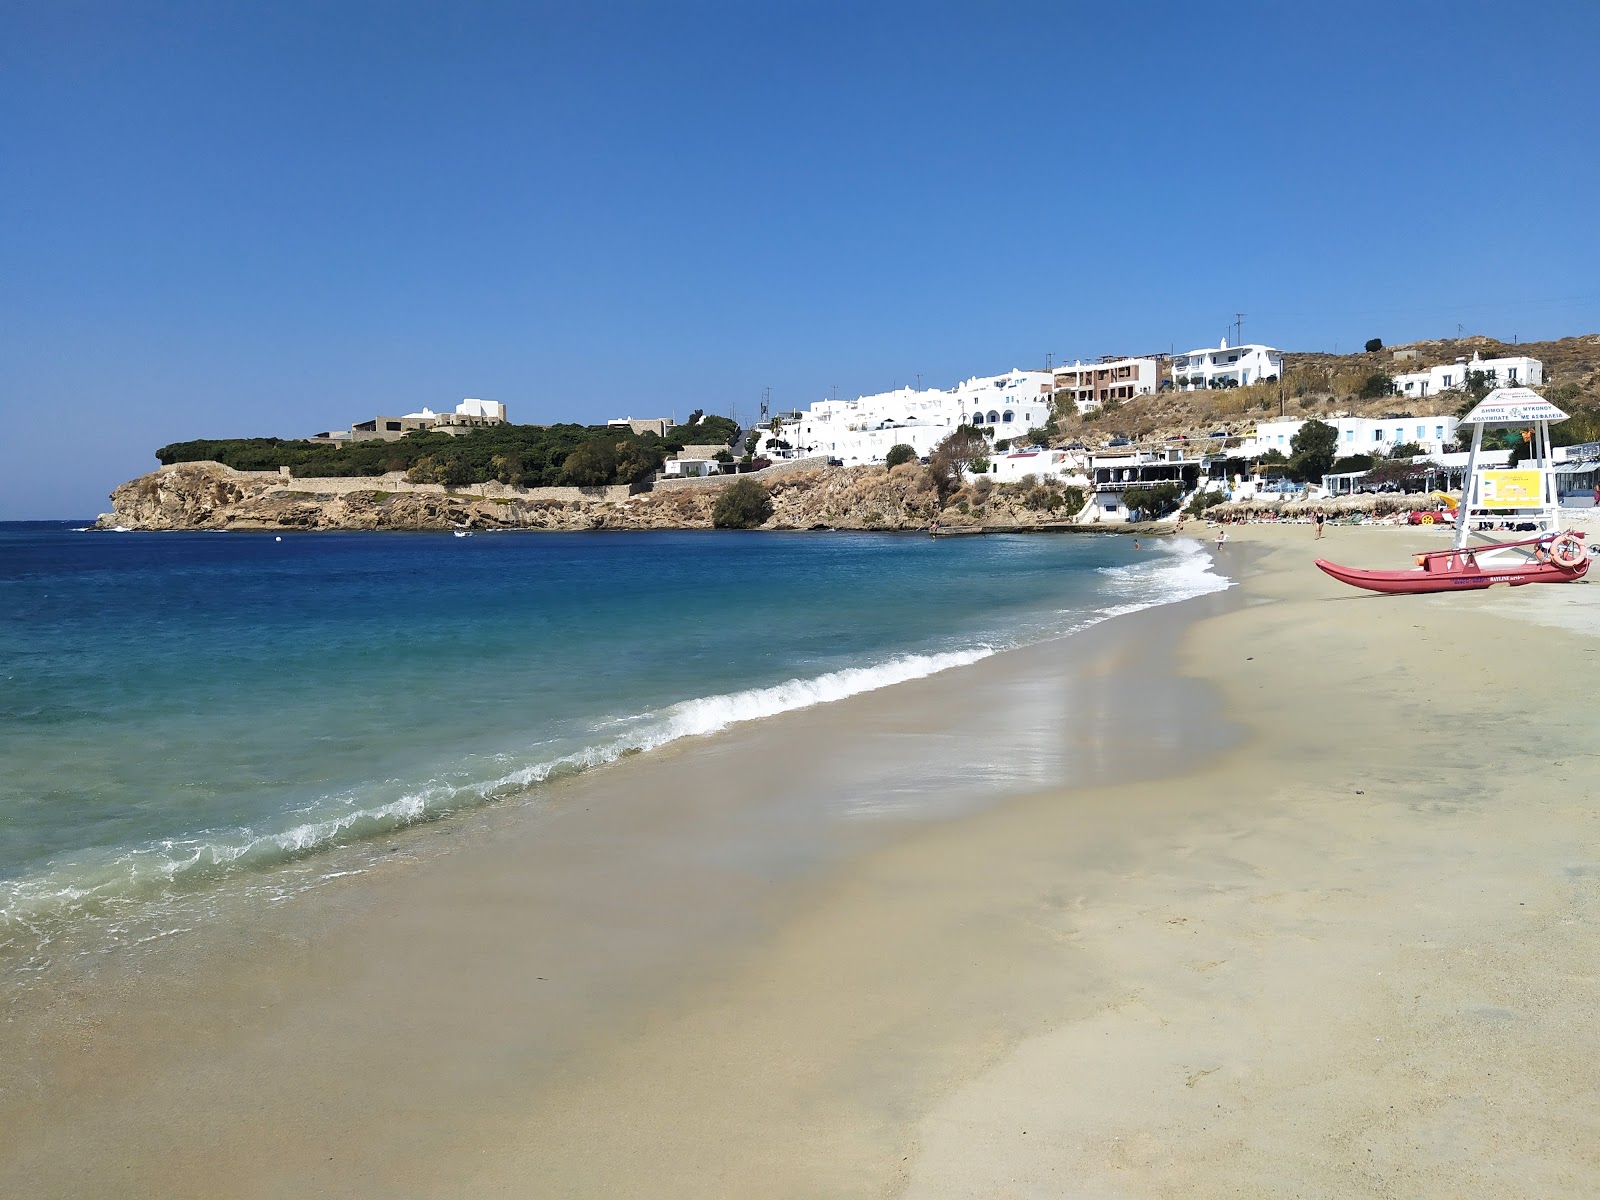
x: 1422, y: 431
x: 1349, y: 435
x: 1377, y: 435
x: 994, y: 417
x: 977, y: 418
x: 1511, y: 374
x: 1007, y: 417
x: 1447, y: 381
x: 393, y: 426
x: 1438, y: 432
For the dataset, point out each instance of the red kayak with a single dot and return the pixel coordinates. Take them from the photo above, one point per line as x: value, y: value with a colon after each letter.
x: 1558, y: 560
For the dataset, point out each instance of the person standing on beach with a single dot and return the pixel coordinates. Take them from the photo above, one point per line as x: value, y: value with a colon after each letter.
x: 1320, y: 518
x: 1222, y: 538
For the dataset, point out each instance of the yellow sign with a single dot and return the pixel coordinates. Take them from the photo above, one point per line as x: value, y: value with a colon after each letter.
x: 1512, y: 489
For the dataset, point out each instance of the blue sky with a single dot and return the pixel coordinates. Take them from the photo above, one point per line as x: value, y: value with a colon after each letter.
x: 234, y: 220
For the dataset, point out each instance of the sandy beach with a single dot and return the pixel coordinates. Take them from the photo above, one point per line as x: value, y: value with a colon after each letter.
x: 1286, y: 891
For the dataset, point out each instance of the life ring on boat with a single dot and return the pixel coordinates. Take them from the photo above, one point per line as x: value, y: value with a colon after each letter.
x: 1567, y: 551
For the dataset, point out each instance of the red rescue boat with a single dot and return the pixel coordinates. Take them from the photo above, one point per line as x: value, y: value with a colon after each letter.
x: 1560, y: 559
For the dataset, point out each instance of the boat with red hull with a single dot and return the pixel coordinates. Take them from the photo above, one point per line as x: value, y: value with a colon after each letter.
x: 1561, y: 559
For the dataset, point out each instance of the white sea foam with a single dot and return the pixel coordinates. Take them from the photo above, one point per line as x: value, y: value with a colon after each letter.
x: 1175, y: 570
x: 91, y: 882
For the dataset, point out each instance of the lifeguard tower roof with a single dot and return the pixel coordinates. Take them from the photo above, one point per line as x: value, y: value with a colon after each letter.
x: 1513, y: 406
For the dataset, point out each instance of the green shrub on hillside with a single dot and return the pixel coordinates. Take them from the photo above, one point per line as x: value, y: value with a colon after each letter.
x: 525, y: 455
x: 898, y: 454
x: 744, y: 504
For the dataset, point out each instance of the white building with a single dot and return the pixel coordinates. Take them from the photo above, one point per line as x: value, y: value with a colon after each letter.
x: 1519, y: 371
x: 695, y: 462
x: 489, y: 410
x: 863, y: 430
x: 1089, y: 385
x: 1358, y: 435
x: 1062, y: 466
x: 1113, y: 472
x: 1243, y: 365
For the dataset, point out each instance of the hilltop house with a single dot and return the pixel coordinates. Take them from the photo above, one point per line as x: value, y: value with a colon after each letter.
x: 468, y: 415
x: 655, y: 425
x: 1519, y: 371
x: 1240, y: 365
x: 1091, y: 385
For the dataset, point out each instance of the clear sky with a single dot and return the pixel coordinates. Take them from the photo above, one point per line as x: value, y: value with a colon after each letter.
x: 222, y: 220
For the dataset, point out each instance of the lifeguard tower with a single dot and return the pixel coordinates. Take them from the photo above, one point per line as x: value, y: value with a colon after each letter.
x: 1521, y: 496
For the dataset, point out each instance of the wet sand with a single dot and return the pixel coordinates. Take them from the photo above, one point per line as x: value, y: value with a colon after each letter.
x: 1316, y: 916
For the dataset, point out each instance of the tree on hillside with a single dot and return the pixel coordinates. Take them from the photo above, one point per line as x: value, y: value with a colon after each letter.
x: 701, y: 430
x: 590, y: 465
x: 1379, y: 383
x: 1374, y: 345
x: 898, y: 454
x: 1406, y: 450
x: 1477, y: 385
x: 950, y: 459
x: 744, y: 504
x: 1312, y: 450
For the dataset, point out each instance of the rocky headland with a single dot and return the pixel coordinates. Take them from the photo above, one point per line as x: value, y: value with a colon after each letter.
x: 210, y: 496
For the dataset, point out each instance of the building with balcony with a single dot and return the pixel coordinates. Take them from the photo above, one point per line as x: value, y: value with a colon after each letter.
x: 1237, y: 366
x: 1113, y: 472
x: 1089, y: 385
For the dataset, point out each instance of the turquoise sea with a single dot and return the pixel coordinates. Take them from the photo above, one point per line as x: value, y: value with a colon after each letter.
x: 178, y: 710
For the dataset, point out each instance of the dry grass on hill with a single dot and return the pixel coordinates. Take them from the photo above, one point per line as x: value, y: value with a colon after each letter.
x: 1326, y: 385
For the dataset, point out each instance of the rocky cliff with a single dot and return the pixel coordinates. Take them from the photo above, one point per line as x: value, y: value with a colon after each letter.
x: 212, y: 496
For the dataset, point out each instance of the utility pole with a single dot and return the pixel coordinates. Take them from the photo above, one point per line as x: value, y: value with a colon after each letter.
x: 919, y: 381
x: 1238, y: 329
x: 1049, y: 359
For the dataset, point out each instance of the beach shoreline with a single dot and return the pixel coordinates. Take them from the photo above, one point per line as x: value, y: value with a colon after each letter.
x: 1169, y: 979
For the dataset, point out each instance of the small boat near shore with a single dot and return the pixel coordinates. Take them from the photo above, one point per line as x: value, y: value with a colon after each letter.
x: 1562, y: 558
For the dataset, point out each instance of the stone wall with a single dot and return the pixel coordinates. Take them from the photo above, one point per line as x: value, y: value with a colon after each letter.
x: 395, y: 482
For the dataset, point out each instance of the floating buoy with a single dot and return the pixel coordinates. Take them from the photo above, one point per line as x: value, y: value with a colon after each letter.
x: 277, y: 539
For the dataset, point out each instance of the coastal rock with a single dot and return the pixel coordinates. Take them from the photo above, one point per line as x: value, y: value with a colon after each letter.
x: 208, y: 495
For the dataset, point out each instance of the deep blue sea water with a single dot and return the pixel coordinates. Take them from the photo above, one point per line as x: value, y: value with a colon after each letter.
x: 179, y: 708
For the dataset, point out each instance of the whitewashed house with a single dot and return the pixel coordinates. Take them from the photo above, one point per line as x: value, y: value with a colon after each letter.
x: 1513, y: 371
x: 863, y: 430
x: 1052, y: 466
x: 694, y: 462
x: 1242, y: 365
x: 1358, y: 435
